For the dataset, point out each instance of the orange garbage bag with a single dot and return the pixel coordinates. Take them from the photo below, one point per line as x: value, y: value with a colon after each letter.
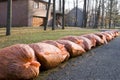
x: 64, y: 52
x: 86, y: 42
x: 73, y: 48
x: 91, y: 38
x: 75, y: 40
x: 110, y: 33
x: 113, y: 33
x: 48, y: 55
x: 116, y: 33
x: 18, y: 62
x: 97, y: 39
x: 102, y: 36
x: 107, y: 35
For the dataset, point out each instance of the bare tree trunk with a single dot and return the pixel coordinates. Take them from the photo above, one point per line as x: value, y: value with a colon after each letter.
x: 76, y: 17
x: 47, y: 15
x: 54, y: 15
x: 111, y: 3
x: 107, y: 14
x: 63, y: 15
x: 115, y: 13
x: 84, y: 22
x: 97, y: 15
x: 102, y: 19
x: 92, y: 14
x: 60, y: 6
x: 87, y: 12
x: 74, y: 14
x: 9, y: 18
x: 74, y: 3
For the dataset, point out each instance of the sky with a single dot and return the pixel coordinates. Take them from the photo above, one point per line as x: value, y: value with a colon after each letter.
x: 69, y: 4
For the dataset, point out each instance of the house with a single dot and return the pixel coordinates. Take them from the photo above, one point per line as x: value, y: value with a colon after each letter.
x: 25, y: 12
x: 71, y: 19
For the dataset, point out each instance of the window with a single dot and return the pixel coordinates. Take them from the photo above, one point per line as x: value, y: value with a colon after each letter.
x: 36, y: 5
x: 43, y: 6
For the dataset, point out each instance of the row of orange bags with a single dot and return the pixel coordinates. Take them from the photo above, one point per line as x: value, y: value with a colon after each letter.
x: 24, y: 61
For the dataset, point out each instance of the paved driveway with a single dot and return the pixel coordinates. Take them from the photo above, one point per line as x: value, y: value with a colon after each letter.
x: 101, y: 63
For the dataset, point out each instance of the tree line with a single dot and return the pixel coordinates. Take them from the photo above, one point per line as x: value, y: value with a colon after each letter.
x: 96, y: 14
x: 100, y: 14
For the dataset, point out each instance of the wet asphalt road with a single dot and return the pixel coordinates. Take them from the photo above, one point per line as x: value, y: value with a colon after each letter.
x: 101, y: 63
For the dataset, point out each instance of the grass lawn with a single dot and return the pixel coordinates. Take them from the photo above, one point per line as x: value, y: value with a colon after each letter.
x: 29, y: 35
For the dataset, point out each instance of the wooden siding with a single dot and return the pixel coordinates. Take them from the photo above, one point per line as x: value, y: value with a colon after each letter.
x: 37, y: 21
x: 19, y: 13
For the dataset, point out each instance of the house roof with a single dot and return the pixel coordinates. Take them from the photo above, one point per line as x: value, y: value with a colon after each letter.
x: 45, y: 1
x: 5, y: 0
x: 2, y: 0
